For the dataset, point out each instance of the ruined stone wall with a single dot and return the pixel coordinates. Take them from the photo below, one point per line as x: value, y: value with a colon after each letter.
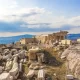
x: 27, y: 40
x: 78, y: 40
x: 53, y: 37
x: 41, y: 38
x: 22, y: 41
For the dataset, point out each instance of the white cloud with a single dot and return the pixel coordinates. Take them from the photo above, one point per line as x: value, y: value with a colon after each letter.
x: 74, y: 30
x: 30, y: 26
x: 6, y: 6
x: 75, y: 21
x: 23, y: 14
x: 8, y: 34
x: 10, y: 12
x: 56, y: 22
x: 40, y: 15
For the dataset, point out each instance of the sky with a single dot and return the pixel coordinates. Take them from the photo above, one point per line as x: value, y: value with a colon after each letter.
x: 18, y: 17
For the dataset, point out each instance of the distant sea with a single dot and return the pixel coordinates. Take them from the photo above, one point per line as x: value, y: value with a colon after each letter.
x: 7, y: 40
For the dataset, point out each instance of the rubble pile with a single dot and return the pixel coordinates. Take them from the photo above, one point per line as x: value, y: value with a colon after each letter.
x: 11, y: 60
x: 36, y: 67
x: 72, y: 54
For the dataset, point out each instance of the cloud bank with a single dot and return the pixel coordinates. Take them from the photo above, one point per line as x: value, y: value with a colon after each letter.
x: 16, y: 20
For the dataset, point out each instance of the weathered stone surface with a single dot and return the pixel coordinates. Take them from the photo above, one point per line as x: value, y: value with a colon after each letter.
x: 1, y: 69
x: 8, y: 65
x: 72, y: 55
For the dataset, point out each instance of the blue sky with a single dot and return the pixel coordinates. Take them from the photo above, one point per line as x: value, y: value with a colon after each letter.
x: 39, y: 16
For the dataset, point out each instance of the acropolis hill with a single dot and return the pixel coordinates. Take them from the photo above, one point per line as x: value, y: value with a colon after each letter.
x: 46, y: 38
x: 43, y: 57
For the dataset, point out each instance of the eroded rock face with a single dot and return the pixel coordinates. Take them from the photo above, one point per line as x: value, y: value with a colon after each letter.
x: 72, y: 55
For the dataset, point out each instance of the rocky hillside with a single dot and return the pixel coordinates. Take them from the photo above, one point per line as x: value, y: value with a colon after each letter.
x: 72, y: 55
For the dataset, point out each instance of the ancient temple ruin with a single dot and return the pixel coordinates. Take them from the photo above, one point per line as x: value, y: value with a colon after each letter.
x: 52, y: 37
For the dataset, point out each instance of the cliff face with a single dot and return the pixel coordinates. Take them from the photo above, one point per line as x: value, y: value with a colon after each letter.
x: 72, y: 55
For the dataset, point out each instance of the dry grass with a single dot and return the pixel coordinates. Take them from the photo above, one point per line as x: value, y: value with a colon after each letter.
x: 25, y: 68
x: 59, y: 70
x: 57, y: 66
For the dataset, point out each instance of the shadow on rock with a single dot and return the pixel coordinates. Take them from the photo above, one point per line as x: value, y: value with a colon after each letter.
x: 51, y: 60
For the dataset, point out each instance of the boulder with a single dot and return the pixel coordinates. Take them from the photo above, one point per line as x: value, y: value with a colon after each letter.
x: 36, y: 67
x: 72, y: 55
x: 8, y: 65
x: 6, y: 76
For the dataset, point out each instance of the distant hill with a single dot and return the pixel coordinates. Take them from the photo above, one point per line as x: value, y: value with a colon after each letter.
x: 7, y: 40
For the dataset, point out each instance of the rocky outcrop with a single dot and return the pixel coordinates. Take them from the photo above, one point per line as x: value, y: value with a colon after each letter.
x: 72, y: 55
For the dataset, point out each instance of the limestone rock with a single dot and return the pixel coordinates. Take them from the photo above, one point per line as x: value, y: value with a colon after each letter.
x: 72, y: 55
